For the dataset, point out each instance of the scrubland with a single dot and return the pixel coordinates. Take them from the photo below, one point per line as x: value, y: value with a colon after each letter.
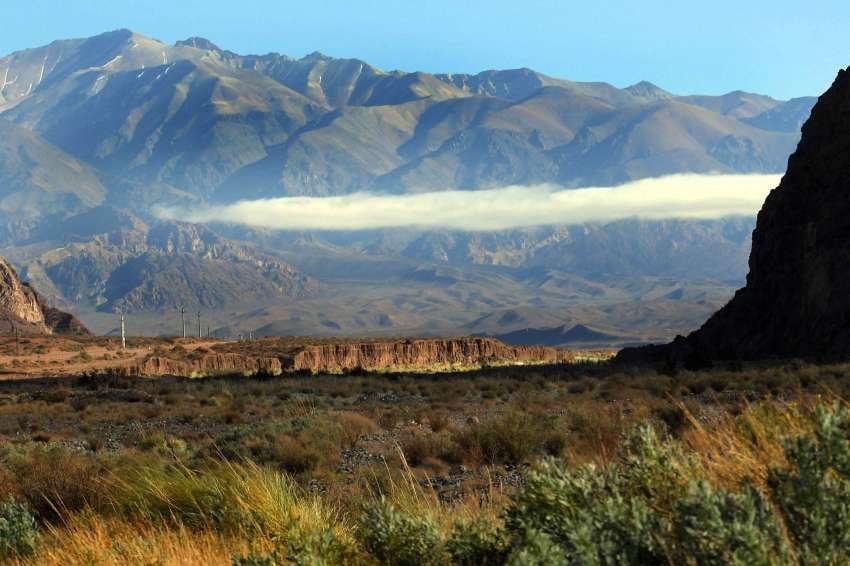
x: 581, y: 464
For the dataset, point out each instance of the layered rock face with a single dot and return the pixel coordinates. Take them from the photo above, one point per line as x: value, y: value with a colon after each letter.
x: 206, y: 365
x: 23, y: 307
x: 395, y: 355
x: 796, y: 302
x: 424, y: 354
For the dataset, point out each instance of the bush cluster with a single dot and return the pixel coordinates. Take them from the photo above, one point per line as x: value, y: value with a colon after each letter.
x: 649, y: 506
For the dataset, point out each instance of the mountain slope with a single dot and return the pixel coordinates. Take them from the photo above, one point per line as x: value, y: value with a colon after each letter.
x: 112, y: 261
x: 38, y: 179
x: 199, y: 121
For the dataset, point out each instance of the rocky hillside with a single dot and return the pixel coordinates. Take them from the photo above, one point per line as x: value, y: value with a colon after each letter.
x: 796, y: 302
x: 25, y: 310
x: 113, y: 261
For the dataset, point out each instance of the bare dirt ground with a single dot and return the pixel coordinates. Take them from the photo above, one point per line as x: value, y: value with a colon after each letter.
x: 55, y: 356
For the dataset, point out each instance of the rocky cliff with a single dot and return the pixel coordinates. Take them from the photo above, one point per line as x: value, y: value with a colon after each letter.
x: 209, y: 364
x: 796, y: 302
x: 276, y: 357
x: 22, y: 306
x: 420, y: 354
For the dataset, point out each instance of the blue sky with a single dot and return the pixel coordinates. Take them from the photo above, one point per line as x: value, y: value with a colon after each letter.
x: 782, y: 48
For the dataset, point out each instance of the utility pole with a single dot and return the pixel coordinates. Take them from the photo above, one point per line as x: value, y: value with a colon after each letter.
x: 199, y: 325
x: 123, y: 336
x: 183, y: 320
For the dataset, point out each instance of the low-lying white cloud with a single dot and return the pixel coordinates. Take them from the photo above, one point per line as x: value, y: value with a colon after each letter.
x: 675, y: 196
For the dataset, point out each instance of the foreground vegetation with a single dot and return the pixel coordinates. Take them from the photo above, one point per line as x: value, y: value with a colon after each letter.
x: 580, y: 465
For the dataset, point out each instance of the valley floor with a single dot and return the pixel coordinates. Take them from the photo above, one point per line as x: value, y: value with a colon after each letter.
x: 580, y: 463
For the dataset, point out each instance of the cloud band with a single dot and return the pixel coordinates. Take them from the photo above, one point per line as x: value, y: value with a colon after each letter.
x: 675, y: 196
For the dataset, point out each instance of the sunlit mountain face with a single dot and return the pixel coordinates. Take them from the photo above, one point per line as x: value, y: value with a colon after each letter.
x: 100, y: 134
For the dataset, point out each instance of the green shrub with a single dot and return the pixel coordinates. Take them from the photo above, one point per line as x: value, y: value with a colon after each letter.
x: 293, y: 445
x: 55, y: 481
x: 719, y: 528
x: 814, y: 492
x: 652, y: 468
x: 18, y: 530
x: 321, y: 548
x: 536, y: 549
x: 396, y: 538
x: 252, y: 559
x: 618, y: 514
x: 477, y: 542
x: 586, y: 514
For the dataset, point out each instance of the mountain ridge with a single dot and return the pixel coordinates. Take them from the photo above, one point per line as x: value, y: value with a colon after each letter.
x: 208, y: 122
x: 129, y: 123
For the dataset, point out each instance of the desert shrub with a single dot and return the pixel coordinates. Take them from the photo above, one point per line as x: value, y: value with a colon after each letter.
x: 537, y: 548
x: 588, y: 516
x: 651, y: 468
x: 477, y: 542
x: 397, y: 538
x: 163, y: 444
x: 618, y: 514
x: 813, y: 493
x: 18, y: 531
x: 421, y: 447
x: 322, y: 548
x: 257, y: 559
x: 83, y: 357
x: 54, y: 481
x: 319, y: 548
x: 717, y: 527
x: 438, y: 420
x: 513, y: 437
x: 297, y: 445
x: 673, y: 417
x: 289, y: 454
x: 389, y: 418
x: 353, y: 426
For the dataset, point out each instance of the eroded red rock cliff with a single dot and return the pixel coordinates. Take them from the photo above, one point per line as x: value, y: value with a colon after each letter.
x: 276, y: 357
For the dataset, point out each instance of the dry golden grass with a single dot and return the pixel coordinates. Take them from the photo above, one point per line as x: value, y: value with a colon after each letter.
x: 93, y: 539
x: 734, y: 448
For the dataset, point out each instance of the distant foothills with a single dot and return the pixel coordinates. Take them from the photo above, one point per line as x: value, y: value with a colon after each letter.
x: 95, y: 133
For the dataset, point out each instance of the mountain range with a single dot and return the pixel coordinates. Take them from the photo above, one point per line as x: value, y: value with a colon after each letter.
x: 96, y: 132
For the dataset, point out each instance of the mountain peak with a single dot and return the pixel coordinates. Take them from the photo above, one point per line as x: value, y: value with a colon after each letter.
x: 199, y: 43
x: 316, y: 56
x: 648, y: 91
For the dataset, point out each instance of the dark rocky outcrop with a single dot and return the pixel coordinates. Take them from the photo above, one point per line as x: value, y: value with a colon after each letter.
x: 796, y: 302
